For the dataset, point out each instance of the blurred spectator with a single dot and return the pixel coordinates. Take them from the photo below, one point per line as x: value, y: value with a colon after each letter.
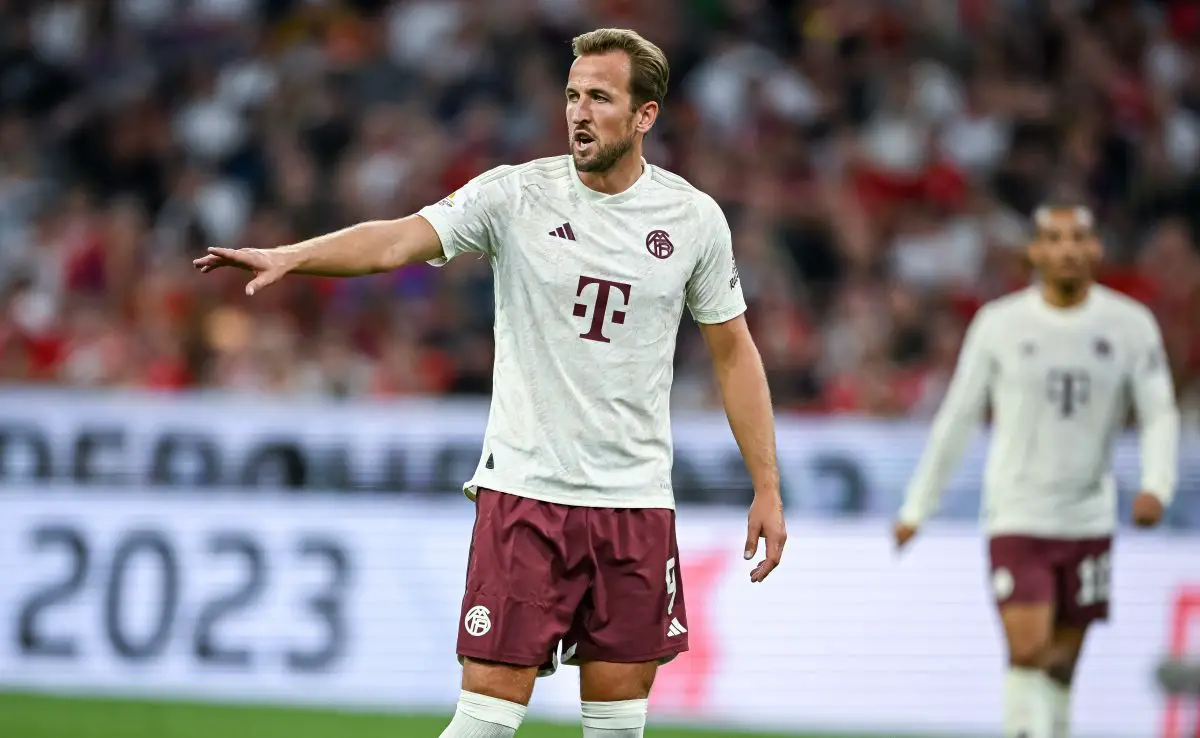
x: 878, y: 163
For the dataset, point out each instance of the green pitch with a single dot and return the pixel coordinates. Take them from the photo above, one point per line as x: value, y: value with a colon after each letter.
x: 29, y: 716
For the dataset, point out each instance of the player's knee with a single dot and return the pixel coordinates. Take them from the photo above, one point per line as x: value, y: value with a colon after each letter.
x: 611, y: 682
x: 1027, y: 653
x: 501, y: 681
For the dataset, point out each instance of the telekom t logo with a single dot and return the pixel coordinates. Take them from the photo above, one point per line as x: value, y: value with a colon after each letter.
x: 604, y: 288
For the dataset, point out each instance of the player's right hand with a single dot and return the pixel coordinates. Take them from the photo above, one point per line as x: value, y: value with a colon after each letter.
x: 268, y: 265
x: 903, y: 533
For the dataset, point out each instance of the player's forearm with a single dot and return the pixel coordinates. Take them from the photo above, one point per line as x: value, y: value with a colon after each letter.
x: 747, y: 402
x: 1160, y: 453
x: 365, y: 248
x: 947, y: 444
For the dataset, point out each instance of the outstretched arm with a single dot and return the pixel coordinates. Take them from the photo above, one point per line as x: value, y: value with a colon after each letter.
x: 366, y: 248
x: 459, y: 223
x: 747, y: 401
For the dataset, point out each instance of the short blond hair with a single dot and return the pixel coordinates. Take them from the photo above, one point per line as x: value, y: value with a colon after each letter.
x: 648, y: 68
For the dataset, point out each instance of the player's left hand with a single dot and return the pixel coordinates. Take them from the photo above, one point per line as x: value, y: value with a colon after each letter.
x: 1147, y: 510
x: 766, y: 521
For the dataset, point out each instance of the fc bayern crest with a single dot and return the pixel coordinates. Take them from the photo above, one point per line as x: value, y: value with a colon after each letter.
x: 658, y: 243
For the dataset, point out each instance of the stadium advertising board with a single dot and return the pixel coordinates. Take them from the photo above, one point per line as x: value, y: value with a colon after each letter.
x: 355, y: 602
x: 839, y: 467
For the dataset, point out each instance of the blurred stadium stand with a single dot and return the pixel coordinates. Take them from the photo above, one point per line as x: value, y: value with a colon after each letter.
x: 877, y: 161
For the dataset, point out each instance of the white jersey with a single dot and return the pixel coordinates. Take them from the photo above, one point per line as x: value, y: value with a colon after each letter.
x: 590, y: 289
x: 1061, y: 383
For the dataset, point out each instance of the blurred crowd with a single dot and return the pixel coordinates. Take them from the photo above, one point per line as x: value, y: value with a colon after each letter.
x: 877, y: 159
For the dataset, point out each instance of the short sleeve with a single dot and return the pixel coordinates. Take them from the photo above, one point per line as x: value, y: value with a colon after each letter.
x: 714, y: 291
x: 465, y: 219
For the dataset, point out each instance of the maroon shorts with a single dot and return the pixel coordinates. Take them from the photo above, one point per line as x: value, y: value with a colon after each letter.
x: 603, y: 582
x: 1073, y: 575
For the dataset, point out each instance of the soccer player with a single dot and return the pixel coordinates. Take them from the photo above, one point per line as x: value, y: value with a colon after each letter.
x: 1060, y: 363
x: 595, y: 255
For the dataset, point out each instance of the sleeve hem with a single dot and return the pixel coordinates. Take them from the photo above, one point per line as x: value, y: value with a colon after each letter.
x: 1158, y: 490
x: 713, y: 317
x: 910, y: 518
x: 444, y: 233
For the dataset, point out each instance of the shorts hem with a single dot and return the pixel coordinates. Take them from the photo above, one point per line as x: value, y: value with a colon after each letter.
x: 1069, y: 620
x: 503, y: 658
x: 1080, y: 621
x: 661, y: 656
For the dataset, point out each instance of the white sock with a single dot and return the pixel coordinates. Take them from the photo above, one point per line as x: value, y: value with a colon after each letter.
x: 1059, y: 697
x: 624, y: 719
x: 480, y: 716
x: 1026, y: 704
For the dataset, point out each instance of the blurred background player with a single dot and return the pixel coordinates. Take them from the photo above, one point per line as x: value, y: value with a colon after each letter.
x: 595, y: 255
x: 1059, y: 362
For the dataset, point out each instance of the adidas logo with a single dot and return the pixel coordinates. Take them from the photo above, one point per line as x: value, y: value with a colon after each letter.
x: 564, y: 231
x: 675, y: 628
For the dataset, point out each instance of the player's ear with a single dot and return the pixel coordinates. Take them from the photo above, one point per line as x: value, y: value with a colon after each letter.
x: 1033, y: 251
x: 646, y: 114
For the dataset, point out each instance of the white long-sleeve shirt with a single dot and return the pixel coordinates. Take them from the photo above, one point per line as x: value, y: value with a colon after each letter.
x: 1060, y: 384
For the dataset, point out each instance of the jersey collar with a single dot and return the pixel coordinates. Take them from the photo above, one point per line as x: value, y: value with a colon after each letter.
x: 1059, y: 313
x: 599, y: 198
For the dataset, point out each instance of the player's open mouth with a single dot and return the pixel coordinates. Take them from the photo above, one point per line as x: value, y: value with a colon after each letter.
x: 582, y: 140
